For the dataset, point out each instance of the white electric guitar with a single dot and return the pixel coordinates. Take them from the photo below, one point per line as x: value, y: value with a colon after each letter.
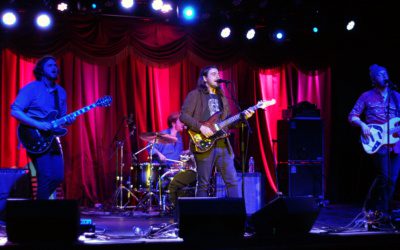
x: 379, y: 135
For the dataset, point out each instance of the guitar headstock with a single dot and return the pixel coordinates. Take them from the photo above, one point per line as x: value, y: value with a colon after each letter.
x: 263, y: 104
x: 104, y: 101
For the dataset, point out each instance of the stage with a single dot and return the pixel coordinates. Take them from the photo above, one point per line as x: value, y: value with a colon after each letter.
x: 337, y: 226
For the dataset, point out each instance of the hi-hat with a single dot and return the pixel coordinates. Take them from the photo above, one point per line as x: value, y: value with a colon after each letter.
x: 157, y: 137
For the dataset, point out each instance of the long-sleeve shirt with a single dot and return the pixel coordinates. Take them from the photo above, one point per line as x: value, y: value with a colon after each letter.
x: 374, y: 106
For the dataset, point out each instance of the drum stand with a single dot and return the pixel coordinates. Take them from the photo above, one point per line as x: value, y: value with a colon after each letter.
x: 146, y: 201
x: 119, y: 193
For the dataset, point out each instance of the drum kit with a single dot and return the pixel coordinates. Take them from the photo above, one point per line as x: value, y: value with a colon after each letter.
x: 157, y: 185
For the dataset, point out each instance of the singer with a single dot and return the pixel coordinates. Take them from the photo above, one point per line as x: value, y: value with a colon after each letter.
x: 380, y: 105
x: 200, y: 104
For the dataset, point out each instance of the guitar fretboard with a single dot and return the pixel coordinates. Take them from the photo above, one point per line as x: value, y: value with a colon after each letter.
x: 79, y: 112
x: 234, y: 118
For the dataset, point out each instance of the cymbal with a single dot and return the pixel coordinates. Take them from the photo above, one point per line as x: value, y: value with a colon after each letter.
x: 161, y: 138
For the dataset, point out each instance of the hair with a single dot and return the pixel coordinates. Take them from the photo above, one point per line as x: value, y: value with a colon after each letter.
x: 375, y: 69
x: 204, y: 72
x: 172, y: 118
x: 38, y: 71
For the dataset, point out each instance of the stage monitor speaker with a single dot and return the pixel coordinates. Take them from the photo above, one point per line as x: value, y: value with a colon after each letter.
x: 285, y: 216
x: 254, y: 195
x: 301, y: 180
x: 211, y: 219
x: 300, y: 140
x: 42, y: 221
x: 14, y: 183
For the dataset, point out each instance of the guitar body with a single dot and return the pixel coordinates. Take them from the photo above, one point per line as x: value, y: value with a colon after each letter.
x: 38, y: 141
x: 202, y: 143
x: 379, y: 136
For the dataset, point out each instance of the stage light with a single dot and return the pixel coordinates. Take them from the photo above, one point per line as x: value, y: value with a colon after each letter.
x: 62, y: 6
x: 279, y: 35
x: 43, y: 20
x: 157, y: 4
x: 315, y: 29
x: 189, y: 13
x: 350, y: 25
x: 9, y: 18
x: 250, y: 34
x: 127, y: 4
x: 225, y: 32
x: 166, y: 8
x: 94, y: 6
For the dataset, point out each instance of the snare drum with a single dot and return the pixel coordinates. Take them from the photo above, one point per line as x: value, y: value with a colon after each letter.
x: 145, y: 175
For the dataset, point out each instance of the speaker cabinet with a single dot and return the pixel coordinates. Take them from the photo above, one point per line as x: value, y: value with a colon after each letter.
x: 42, y: 221
x: 285, y: 216
x: 301, y: 180
x: 14, y: 183
x: 211, y: 219
x: 300, y: 140
x: 254, y: 187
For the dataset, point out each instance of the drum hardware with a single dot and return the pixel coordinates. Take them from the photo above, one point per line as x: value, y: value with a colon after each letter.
x: 119, y: 193
x: 153, y: 138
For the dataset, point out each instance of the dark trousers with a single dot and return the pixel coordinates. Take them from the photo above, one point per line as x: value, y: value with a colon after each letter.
x: 385, y: 182
x: 223, y: 161
x: 49, y: 170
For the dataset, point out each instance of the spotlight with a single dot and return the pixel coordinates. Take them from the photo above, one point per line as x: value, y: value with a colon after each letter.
x: 315, y: 29
x: 189, y: 13
x: 250, y: 34
x: 279, y: 35
x: 94, y: 6
x: 43, y: 20
x: 166, y: 8
x: 9, y: 18
x: 225, y: 32
x: 157, y: 4
x: 127, y: 4
x: 62, y: 6
x: 350, y: 25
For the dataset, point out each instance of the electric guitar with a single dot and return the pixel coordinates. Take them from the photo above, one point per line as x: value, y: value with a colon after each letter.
x: 379, y: 135
x: 203, y: 144
x: 37, y: 141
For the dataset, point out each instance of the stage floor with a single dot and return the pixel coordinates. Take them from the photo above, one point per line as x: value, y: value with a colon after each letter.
x: 337, y: 226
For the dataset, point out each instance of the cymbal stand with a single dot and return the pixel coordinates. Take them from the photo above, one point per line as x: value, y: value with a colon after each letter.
x: 147, y: 199
x: 119, y: 193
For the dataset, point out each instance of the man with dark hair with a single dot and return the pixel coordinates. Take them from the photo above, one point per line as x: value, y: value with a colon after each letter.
x: 36, y: 100
x: 170, y: 151
x: 379, y: 105
x: 201, y: 104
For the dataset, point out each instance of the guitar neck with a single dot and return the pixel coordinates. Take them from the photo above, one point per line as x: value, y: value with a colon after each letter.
x: 235, y: 118
x: 81, y: 111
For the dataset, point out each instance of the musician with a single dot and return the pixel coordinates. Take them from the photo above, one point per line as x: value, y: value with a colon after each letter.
x: 374, y: 105
x: 200, y: 104
x: 37, y: 99
x: 170, y: 151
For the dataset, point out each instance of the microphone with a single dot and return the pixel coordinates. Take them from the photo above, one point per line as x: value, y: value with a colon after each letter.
x: 390, y: 84
x: 223, y: 81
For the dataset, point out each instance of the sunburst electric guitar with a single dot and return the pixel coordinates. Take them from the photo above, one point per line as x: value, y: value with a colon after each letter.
x: 203, y: 144
x: 379, y: 135
x: 37, y: 141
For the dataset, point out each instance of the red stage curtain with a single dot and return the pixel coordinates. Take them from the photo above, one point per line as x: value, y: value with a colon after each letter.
x: 148, y: 69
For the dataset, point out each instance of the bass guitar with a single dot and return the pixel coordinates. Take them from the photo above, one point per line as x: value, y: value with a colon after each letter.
x: 203, y: 144
x: 37, y: 141
x: 379, y: 135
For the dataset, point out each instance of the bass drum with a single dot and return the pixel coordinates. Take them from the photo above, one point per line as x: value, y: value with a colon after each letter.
x: 182, y: 185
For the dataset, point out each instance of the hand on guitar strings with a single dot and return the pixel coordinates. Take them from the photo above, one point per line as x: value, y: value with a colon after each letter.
x: 206, y: 131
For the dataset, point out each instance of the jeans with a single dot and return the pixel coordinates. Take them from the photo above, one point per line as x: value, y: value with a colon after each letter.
x: 223, y: 161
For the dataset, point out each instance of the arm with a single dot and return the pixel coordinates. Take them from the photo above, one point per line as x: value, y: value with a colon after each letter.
x: 188, y: 109
x: 354, y: 117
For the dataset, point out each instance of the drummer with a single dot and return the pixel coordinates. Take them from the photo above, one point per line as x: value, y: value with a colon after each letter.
x: 169, y: 153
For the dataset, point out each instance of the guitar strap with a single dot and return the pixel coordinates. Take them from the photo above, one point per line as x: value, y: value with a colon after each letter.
x: 57, y: 102
x: 396, y: 102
